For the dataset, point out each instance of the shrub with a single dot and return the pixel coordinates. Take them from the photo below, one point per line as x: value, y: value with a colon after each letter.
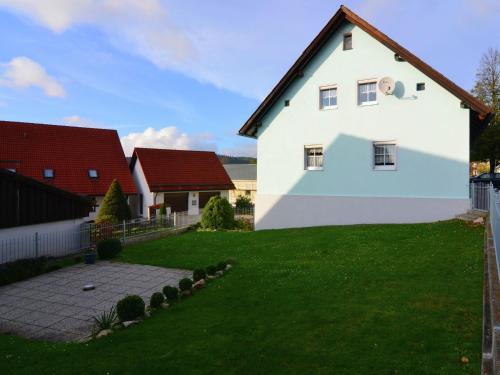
x: 243, y: 202
x: 171, y: 293
x: 106, y: 320
x: 221, y: 266
x: 156, y: 300
x: 243, y: 224
x: 114, y: 205
x: 163, y: 209
x: 185, y: 284
x: 211, y: 270
x: 199, y: 274
x: 130, y: 308
x: 109, y: 248
x: 217, y: 214
x: 21, y: 269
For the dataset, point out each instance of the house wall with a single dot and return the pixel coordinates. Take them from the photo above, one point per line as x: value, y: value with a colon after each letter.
x: 142, y: 188
x: 241, y: 187
x: 430, y: 129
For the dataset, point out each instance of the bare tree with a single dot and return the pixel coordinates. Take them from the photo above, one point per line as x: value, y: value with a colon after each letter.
x: 487, y: 89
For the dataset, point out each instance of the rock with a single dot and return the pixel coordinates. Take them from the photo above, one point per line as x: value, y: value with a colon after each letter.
x: 479, y: 220
x: 147, y: 314
x: 103, y: 333
x: 464, y: 359
x: 129, y: 323
x: 185, y: 293
x: 228, y: 267
x: 211, y: 277
x: 219, y: 273
x: 199, y: 284
x: 165, y: 305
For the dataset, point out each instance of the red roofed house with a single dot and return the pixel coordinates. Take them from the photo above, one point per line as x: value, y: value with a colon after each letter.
x: 83, y: 161
x: 184, y: 180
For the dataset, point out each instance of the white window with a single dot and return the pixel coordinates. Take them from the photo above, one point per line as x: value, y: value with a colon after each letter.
x: 367, y: 93
x: 93, y: 173
x: 313, y: 157
x: 384, y: 156
x: 48, y: 173
x: 327, y: 97
x: 13, y: 170
x: 347, y: 41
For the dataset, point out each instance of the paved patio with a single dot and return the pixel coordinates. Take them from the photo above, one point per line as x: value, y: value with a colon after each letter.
x: 54, y: 307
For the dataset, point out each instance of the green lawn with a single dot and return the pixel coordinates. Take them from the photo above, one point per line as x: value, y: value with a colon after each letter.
x: 372, y: 299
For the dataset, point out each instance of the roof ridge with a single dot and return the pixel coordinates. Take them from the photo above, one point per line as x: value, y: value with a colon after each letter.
x: 6, y: 122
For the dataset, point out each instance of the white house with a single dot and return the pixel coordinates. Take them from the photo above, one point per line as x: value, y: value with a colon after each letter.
x: 360, y: 130
x: 183, y: 180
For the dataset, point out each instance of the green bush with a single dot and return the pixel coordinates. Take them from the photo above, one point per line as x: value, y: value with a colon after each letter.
x: 243, y: 224
x: 211, y: 270
x: 185, y: 284
x: 156, y: 300
x: 199, y: 274
x: 130, y: 308
x: 221, y: 266
x: 217, y: 214
x: 171, y: 293
x: 21, y: 269
x: 163, y: 209
x: 114, y: 206
x: 108, y: 249
x: 243, y: 202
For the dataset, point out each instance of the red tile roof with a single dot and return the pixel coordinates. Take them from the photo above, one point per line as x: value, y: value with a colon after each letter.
x: 70, y: 151
x: 180, y: 170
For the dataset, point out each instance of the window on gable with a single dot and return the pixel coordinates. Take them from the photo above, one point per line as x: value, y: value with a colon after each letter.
x: 313, y: 157
x: 12, y: 170
x: 93, y: 173
x: 421, y: 86
x: 384, y: 156
x: 327, y: 97
x: 347, y: 41
x: 367, y: 93
x: 48, y: 173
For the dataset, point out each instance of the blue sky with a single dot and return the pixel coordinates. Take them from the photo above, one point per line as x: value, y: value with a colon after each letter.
x: 187, y: 74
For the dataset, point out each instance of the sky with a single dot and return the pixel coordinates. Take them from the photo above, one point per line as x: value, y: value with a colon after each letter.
x: 187, y: 74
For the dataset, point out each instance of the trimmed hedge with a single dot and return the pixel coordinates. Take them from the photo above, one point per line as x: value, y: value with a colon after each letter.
x: 130, y: 308
x: 185, y: 284
x: 22, y: 269
x: 108, y: 249
x: 211, y: 270
x: 156, y: 300
x: 199, y: 274
x: 171, y: 293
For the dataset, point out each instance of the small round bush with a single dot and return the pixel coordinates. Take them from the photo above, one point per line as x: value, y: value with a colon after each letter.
x: 217, y: 214
x: 109, y: 248
x: 211, y: 270
x: 130, y: 308
x: 185, y: 284
x: 231, y: 261
x: 221, y: 266
x: 156, y: 300
x: 171, y: 293
x: 199, y: 274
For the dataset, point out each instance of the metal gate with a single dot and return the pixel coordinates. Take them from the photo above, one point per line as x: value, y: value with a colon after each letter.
x: 479, y: 195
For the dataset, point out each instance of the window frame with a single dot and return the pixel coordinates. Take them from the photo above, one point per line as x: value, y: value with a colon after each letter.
x: 96, y: 173
x: 366, y: 82
x: 346, y: 35
x: 327, y: 88
x: 385, y: 167
x: 314, y: 168
x: 49, y: 177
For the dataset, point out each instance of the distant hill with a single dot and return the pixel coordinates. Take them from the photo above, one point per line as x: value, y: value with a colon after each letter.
x: 224, y: 159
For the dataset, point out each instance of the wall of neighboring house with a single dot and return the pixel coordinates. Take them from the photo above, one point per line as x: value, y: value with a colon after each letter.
x: 429, y: 128
x: 246, y: 188
x: 142, y: 190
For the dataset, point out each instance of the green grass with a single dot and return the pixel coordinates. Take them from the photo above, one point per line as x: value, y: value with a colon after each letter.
x: 374, y: 299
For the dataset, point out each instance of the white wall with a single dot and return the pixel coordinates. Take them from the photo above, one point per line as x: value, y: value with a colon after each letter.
x: 430, y: 129
x: 56, y: 238
x: 142, y: 188
x: 193, y: 203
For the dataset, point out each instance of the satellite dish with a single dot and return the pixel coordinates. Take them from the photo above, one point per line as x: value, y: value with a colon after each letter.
x: 386, y: 85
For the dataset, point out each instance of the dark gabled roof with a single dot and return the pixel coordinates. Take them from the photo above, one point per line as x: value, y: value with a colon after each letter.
x: 70, y: 151
x: 241, y: 171
x: 344, y: 14
x: 181, y: 170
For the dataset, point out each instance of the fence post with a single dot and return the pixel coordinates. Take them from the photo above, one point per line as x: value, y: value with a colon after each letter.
x: 36, y: 244
x: 175, y: 219
x: 124, y: 227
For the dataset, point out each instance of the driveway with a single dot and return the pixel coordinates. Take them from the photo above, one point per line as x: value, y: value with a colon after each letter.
x: 54, y: 306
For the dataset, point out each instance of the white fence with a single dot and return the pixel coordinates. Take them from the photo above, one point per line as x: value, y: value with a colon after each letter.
x: 494, y: 200
x: 64, y: 243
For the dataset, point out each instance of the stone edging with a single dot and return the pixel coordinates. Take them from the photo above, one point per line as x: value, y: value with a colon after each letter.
x: 491, y: 299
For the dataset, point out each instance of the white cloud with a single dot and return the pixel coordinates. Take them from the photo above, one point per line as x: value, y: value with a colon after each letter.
x: 168, y: 137
x: 22, y: 72
x: 76, y: 120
